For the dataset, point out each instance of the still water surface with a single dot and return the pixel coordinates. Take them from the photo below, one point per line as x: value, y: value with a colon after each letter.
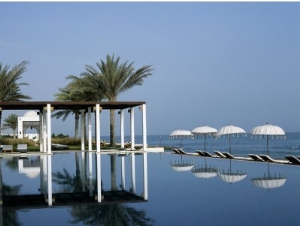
x: 175, y: 198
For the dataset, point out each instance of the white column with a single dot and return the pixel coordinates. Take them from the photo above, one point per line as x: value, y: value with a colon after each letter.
x: 122, y: 127
x: 143, y: 108
x: 98, y: 127
x: 99, y: 187
x: 45, y: 130
x: 123, y: 172
x: 82, y: 118
x: 90, y: 128
x: 49, y: 128
x: 90, y: 173
x: 41, y: 132
x: 132, y: 128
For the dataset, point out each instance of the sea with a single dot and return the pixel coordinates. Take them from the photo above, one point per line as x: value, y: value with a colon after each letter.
x: 172, y: 189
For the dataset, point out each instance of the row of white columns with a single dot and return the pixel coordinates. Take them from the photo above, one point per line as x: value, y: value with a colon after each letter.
x: 45, y: 141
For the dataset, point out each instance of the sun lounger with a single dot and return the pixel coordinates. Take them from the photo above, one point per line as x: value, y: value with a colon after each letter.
x: 182, y: 152
x: 293, y: 159
x: 269, y: 159
x: 6, y: 148
x: 220, y: 154
x: 22, y: 148
x: 176, y: 151
x: 230, y: 156
x: 256, y: 158
x: 200, y: 153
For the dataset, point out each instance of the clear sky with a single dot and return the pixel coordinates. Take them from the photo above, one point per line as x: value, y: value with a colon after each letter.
x: 214, y: 63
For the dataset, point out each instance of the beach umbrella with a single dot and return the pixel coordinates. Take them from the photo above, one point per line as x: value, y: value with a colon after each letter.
x: 231, y: 176
x: 204, y: 131
x: 268, y: 181
x: 230, y: 131
x: 268, y: 131
x: 180, y: 134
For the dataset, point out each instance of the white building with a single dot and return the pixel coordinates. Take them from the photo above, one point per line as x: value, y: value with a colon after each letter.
x: 29, y: 125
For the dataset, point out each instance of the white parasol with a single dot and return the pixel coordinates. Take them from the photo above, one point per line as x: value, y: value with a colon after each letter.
x: 180, y: 134
x: 268, y: 130
x: 204, y: 131
x: 230, y: 131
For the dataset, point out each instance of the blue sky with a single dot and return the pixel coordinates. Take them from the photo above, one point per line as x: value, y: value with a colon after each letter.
x: 214, y: 63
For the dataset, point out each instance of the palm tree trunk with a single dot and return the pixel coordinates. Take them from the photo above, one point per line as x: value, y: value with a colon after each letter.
x: 0, y: 124
x: 112, y: 128
x: 113, y: 163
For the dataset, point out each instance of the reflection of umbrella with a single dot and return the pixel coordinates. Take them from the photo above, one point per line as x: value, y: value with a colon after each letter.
x: 268, y: 130
x: 269, y: 182
x: 205, y: 172
x: 231, y: 177
x: 204, y: 131
x: 180, y: 134
x: 229, y: 131
x: 182, y: 166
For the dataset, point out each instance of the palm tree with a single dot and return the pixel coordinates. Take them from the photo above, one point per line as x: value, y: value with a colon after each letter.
x: 9, y: 88
x: 72, y: 92
x: 11, y: 122
x: 110, y: 79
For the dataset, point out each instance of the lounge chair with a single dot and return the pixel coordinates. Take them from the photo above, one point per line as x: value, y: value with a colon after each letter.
x: 230, y: 156
x: 293, y: 159
x: 6, y: 148
x: 176, y: 151
x: 267, y: 158
x: 256, y: 158
x: 22, y: 148
x: 220, y: 154
x: 200, y: 153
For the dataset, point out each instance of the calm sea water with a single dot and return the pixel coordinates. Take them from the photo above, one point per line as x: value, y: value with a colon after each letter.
x: 175, y: 198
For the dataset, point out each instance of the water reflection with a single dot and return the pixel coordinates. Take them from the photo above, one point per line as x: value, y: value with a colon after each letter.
x: 231, y: 176
x: 269, y: 181
x: 182, y: 166
x: 205, y: 172
x: 82, y: 191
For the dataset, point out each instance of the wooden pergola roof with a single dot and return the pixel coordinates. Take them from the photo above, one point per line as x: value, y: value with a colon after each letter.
x: 63, y: 105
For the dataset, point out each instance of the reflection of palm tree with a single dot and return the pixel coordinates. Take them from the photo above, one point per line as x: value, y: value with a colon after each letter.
x: 68, y: 181
x: 12, y: 163
x: 109, y: 214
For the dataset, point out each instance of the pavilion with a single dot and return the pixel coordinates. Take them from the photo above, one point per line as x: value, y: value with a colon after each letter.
x: 44, y: 109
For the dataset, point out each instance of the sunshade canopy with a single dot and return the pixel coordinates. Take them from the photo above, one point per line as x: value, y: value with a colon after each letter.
x: 204, y: 130
x: 230, y: 130
x: 267, y: 129
x: 269, y: 183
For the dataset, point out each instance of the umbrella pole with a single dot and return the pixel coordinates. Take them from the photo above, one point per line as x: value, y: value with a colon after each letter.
x: 204, y: 142
x: 268, y: 144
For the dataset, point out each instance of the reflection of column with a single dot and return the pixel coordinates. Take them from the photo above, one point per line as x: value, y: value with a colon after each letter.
x: 90, y: 128
x: 83, y: 170
x: 99, y: 187
x: 133, y: 173
x: 145, y: 155
x: 49, y: 180
x: 123, y: 172
x: 132, y: 128
x: 82, y: 128
x: 90, y: 173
